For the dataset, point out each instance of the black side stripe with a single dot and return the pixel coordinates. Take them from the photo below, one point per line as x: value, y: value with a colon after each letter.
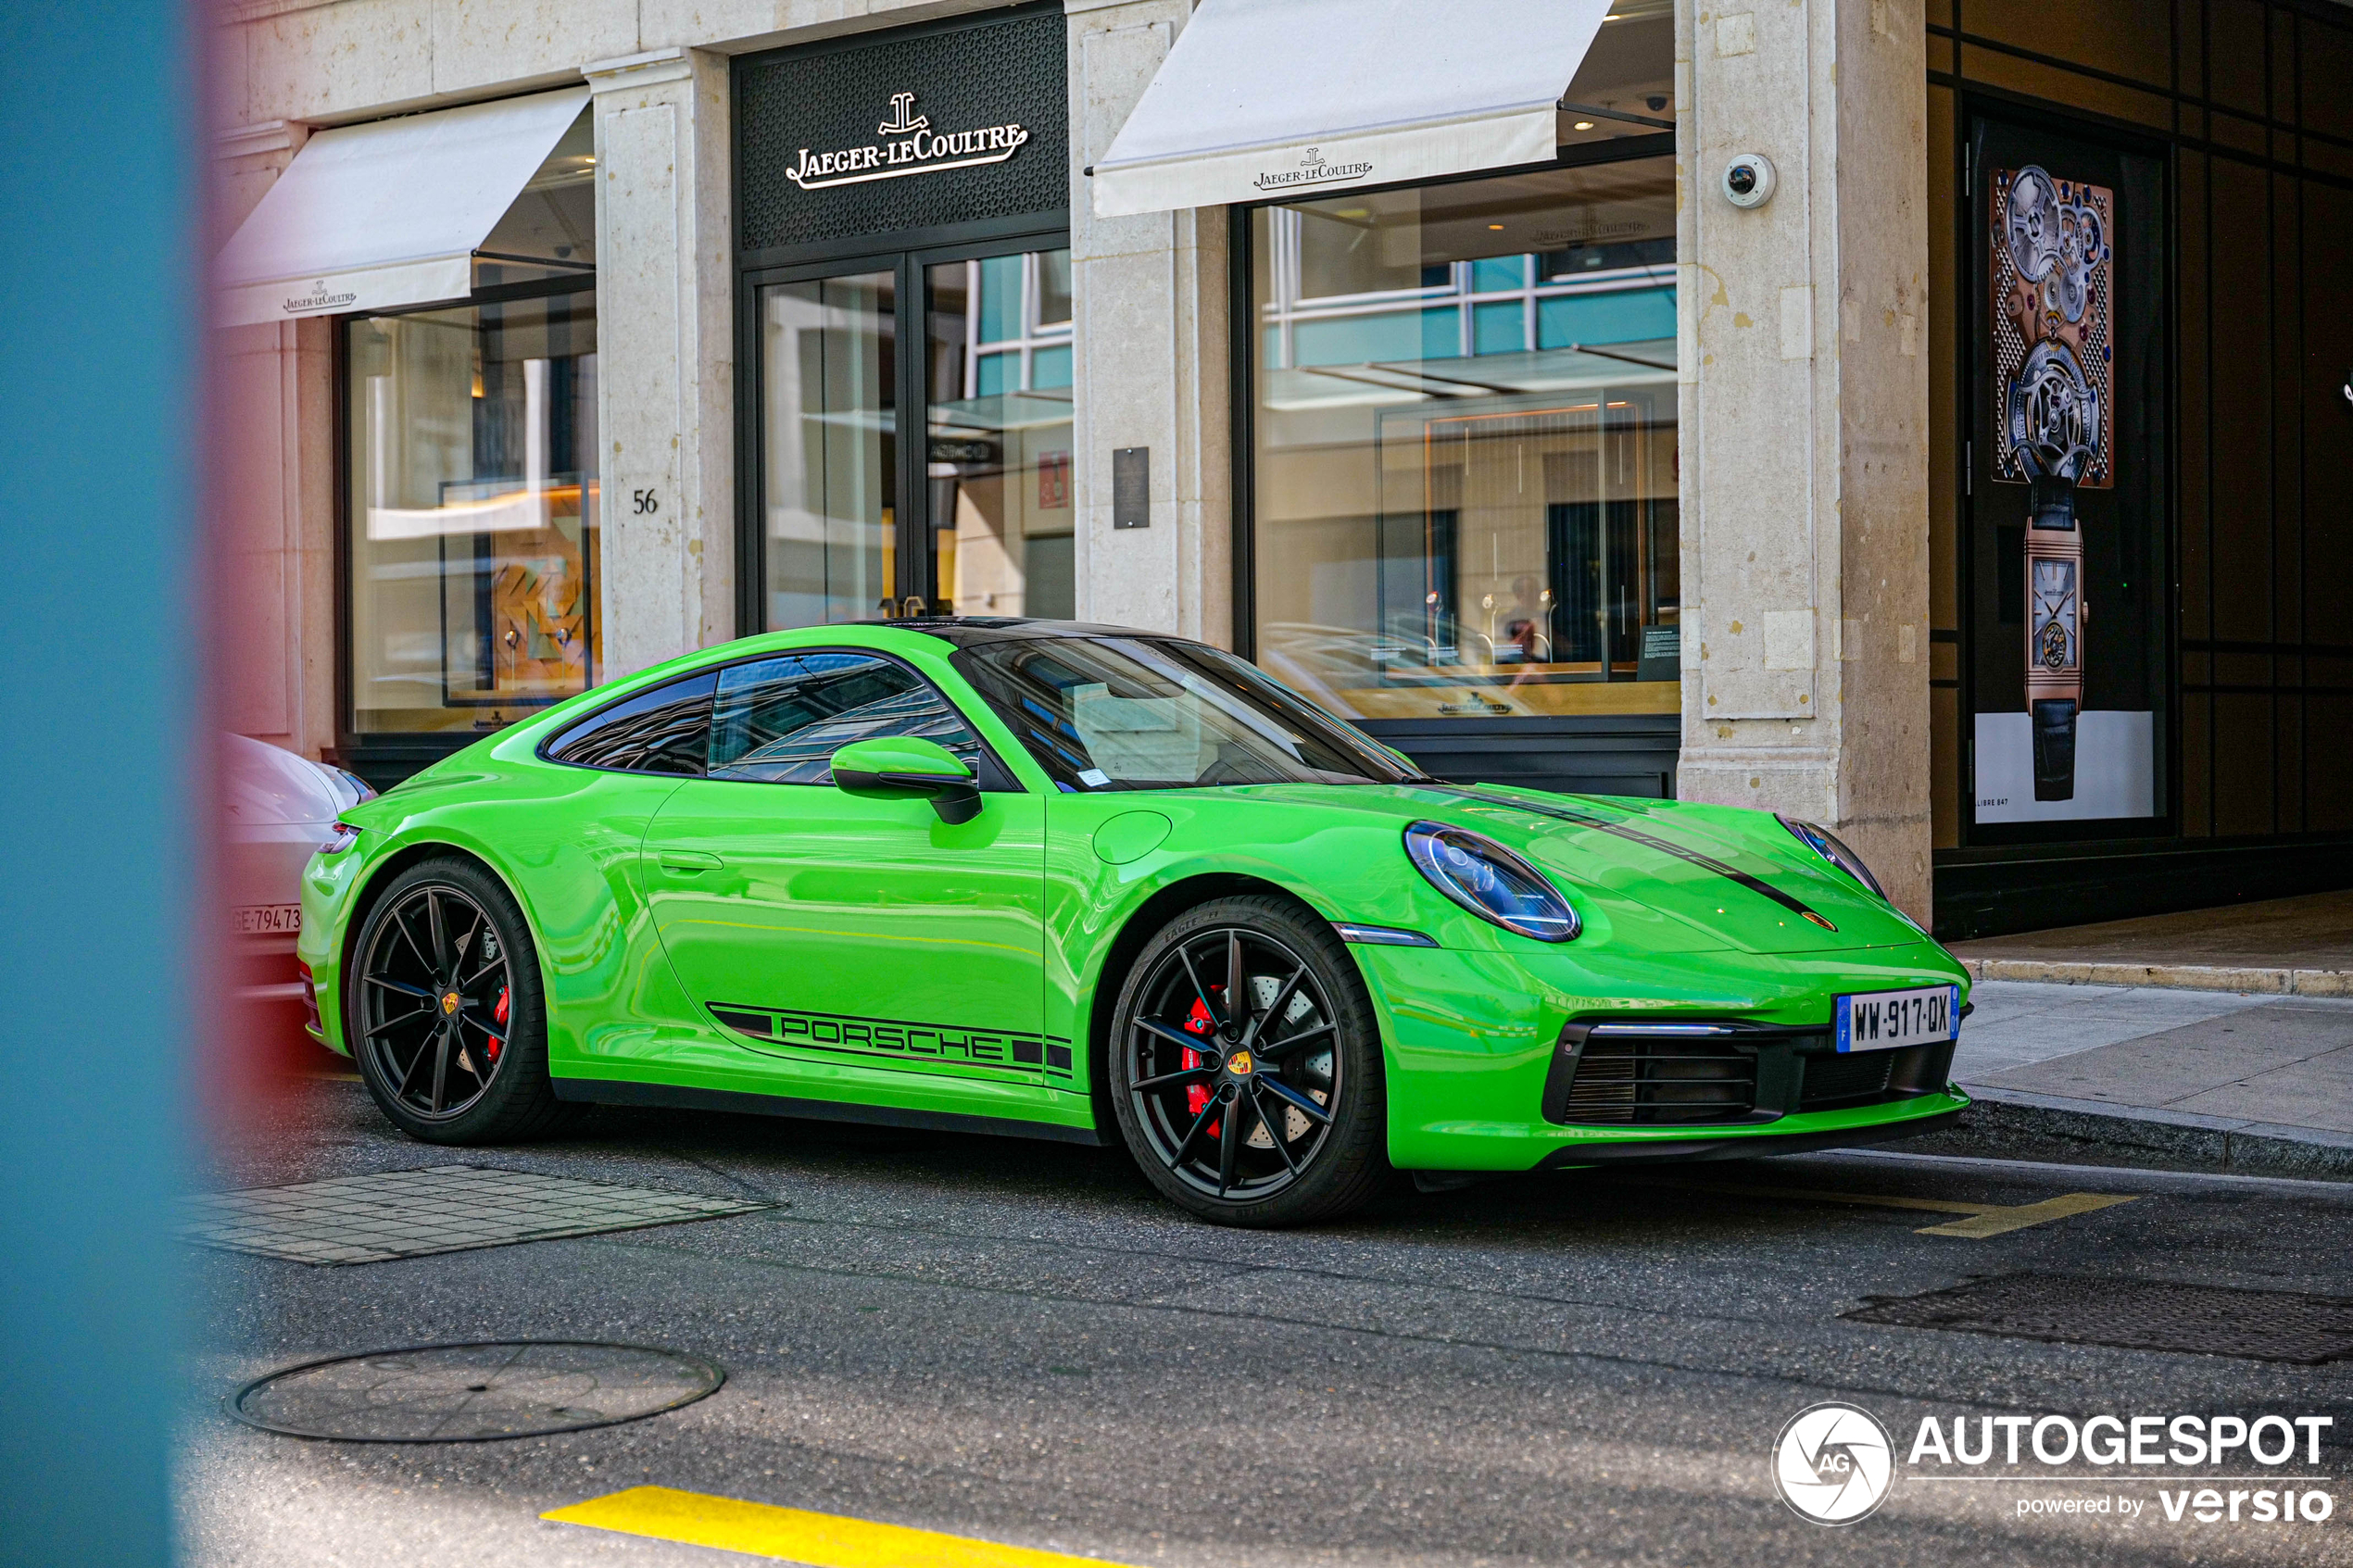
x: 1652, y: 841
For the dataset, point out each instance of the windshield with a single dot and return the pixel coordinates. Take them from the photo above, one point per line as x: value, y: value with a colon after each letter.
x: 1141, y: 713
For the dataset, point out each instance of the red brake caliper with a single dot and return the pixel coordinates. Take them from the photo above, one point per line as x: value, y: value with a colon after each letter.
x: 1197, y: 1095
x: 498, y: 1012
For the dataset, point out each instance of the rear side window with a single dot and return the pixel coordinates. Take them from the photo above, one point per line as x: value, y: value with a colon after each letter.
x: 779, y: 720
x: 666, y: 730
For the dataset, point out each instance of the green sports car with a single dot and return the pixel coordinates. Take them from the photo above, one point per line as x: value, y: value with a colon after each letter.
x: 1077, y: 882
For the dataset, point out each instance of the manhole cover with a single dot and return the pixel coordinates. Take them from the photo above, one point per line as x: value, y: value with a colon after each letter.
x: 2265, y: 1326
x: 474, y: 1393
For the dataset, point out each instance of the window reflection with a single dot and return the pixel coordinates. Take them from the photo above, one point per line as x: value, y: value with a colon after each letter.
x: 998, y: 434
x: 829, y: 425
x: 473, y: 513
x: 1465, y: 463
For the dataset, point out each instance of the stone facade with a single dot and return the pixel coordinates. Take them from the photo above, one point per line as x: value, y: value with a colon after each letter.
x: 1803, y: 403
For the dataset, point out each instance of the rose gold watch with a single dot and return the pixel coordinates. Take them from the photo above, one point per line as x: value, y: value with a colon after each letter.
x: 2054, y: 615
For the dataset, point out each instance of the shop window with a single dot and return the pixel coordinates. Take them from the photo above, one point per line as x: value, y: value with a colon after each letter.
x: 473, y: 506
x: 984, y: 455
x: 1464, y: 445
x: 470, y: 484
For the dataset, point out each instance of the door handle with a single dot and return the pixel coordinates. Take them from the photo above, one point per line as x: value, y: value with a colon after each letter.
x: 689, y: 861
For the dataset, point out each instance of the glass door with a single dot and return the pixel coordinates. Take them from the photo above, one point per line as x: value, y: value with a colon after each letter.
x: 997, y: 428
x: 933, y: 481
x: 829, y: 448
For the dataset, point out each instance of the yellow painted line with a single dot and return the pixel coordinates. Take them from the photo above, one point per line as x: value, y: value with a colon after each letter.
x: 820, y: 1540
x: 1994, y: 1222
x: 1984, y: 1219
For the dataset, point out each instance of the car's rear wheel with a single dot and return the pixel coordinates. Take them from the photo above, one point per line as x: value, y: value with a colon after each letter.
x: 1246, y: 1066
x: 443, y: 1012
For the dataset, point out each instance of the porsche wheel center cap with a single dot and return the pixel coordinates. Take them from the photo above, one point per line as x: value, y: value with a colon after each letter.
x: 449, y: 1002
x: 1239, y: 1064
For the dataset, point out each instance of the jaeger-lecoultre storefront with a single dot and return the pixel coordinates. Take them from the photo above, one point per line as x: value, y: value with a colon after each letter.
x: 1427, y: 354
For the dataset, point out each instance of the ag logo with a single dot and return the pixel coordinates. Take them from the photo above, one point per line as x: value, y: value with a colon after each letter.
x: 1832, y: 1463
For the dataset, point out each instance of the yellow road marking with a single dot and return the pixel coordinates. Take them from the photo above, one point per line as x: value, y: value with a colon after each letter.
x: 820, y: 1540
x: 1984, y: 1219
x: 1994, y: 1222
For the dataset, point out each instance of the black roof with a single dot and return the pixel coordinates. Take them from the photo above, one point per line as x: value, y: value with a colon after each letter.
x: 966, y: 631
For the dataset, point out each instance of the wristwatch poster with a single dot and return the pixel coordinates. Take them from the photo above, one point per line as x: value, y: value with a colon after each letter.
x: 2055, y: 638
x: 2053, y: 286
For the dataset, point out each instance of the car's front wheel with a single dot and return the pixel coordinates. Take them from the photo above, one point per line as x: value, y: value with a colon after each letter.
x: 1246, y: 1066
x: 444, y: 1012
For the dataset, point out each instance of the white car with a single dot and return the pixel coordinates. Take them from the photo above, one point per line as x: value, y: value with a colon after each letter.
x: 280, y: 808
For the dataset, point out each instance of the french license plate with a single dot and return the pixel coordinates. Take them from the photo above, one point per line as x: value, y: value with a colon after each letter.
x: 1886, y: 1021
x: 267, y: 920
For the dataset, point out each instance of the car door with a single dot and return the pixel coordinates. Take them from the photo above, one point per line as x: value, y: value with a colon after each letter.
x: 859, y: 947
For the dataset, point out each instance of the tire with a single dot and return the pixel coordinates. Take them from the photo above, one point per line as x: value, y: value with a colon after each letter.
x: 1263, y: 1122
x: 444, y: 1072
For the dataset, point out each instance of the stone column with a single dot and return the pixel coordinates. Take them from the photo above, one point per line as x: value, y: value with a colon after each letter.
x: 1805, y: 421
x: 665, y: 357
x: 1151, y: 302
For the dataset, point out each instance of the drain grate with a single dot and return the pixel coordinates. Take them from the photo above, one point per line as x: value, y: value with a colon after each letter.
x: 474, y: 1393
x: 443, y: 1208
x: 2264, y: 1325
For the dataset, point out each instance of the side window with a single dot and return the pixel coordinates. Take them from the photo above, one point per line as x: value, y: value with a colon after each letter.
x: 779, y: 720
x: 666, y: 730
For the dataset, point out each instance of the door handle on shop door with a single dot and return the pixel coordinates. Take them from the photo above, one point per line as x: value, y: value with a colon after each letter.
x: 689, y: 861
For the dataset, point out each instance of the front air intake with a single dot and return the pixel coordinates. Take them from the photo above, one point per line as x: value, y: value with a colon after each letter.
x: 1624, y: 1076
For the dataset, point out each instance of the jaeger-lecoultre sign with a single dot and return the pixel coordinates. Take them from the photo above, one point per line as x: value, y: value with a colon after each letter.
x: 912, y: 146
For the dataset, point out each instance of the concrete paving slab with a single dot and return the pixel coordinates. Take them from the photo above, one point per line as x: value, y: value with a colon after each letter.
x: 2298, y: 947
x: 2170, y: 1068
x: 2017, y: 1024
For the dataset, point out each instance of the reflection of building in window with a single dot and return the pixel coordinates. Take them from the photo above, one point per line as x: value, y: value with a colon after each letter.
x: 1466, y: 446
x: 473, y: 509
x: 999, y: 434
x: 780, y: 721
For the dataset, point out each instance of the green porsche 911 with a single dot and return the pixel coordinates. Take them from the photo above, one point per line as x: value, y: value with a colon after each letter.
x: 1076, y: 883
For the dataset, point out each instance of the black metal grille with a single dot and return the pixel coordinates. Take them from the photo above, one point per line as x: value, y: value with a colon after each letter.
x: 1833, y: 1080
x: 2268, y: 1326
x: 1636, y: 1081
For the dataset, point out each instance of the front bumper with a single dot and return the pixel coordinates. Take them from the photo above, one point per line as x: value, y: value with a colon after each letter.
x: 1751, y: 1145
x: 1471, y: 1042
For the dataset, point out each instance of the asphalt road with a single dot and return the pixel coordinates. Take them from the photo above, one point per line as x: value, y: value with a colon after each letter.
x: 1018, y: 1342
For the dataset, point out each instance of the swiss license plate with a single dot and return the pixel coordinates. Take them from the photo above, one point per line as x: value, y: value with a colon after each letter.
x: 1886, y: 1021
x: 266, y: 919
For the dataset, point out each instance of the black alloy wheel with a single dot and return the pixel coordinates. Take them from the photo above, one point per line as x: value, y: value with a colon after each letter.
x: 1246, y: 1066
x: 443, y: 1015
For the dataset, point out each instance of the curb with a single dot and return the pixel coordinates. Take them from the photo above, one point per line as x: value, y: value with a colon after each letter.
x: 2000, y: 1117
x: 2177, y: 977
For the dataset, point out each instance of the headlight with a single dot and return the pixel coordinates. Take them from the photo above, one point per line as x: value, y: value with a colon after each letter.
x: 1491, y: 881
x: 340, y: 837
x: 1826, y: 844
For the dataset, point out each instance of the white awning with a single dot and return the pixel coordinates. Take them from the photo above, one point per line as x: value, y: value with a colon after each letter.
x: 388, y: 213
x: 1267, y: 98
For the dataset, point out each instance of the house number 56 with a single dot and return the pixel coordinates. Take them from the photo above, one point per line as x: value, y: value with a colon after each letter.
x: 643, y: 501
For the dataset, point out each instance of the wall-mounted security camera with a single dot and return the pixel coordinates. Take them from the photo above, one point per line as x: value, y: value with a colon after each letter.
x: 1748, y: 180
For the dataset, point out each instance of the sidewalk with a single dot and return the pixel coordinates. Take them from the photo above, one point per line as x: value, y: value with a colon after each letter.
x: 2148, y: 1074
x: 2283, y: 947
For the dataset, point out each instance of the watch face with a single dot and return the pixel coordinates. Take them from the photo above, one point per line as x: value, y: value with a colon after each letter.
x: 2052, y: 632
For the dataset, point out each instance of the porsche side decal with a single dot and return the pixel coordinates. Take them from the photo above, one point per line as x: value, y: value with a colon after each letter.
x: 893, y: 1038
